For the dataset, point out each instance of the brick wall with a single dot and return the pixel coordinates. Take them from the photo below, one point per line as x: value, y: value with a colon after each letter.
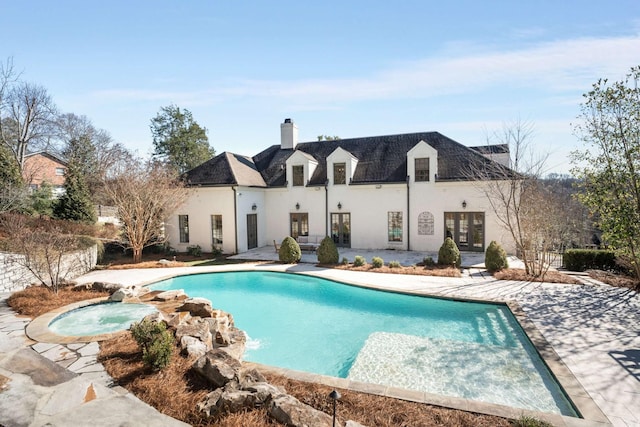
x: 14, y: 276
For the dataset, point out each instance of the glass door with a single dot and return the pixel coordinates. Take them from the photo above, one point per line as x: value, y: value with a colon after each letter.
x: 341, y: 229
x: 466, y: 229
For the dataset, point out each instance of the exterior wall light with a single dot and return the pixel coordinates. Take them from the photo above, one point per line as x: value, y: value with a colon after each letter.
x: 297, y: 206
x: 335, y: 396
x: 254, y: 207
x: 464, y: 204
x: 339, y: 205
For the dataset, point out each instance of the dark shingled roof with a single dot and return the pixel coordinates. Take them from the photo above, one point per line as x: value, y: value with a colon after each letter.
x: 492, y: 149
x: 380, y: 159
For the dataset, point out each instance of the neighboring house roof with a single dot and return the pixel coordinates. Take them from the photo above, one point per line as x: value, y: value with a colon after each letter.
x: 48, y: 154
x: 380, y: 159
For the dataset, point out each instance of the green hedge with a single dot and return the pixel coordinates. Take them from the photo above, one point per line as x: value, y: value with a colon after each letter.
x: 589, y: 259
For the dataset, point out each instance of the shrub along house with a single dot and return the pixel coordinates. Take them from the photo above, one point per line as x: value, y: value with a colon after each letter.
x: 405, y: 192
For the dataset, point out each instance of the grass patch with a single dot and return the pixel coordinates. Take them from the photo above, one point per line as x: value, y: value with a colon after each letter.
x: 520, y: 275
x: 176, y: 390
x: 36, y: 300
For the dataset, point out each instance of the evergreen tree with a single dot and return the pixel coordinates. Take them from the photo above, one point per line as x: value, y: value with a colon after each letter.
x: 75, y: 204
x: 178, y: 140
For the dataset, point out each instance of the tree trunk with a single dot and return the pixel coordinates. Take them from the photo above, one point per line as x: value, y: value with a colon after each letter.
x: 137, y: 255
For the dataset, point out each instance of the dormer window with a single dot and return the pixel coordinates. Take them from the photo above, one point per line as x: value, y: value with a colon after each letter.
x: 422, y: 169
x: 298, y: 175
x: 339, y: 173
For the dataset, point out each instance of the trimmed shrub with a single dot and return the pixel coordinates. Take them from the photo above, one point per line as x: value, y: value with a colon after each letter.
x: 289, y: 252
x: 589, y: 259
x: 345, y: 261
x: 359, y: 261
x: 156, y: 342
x: 215, y: 251
x: 394, y: 264
x: 194, y: 250
x: 449, y: 254
x: 428, y: 262
x: 495, y: 259
x: 377, y: 262
x: 328, y: 252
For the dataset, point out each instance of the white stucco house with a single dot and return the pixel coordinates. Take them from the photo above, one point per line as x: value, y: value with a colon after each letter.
x: 405, y: 192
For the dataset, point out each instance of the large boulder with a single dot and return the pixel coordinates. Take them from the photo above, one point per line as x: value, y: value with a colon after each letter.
x: 178, y: 318
x: 290, y: 411
x: 233, y: 399
x: 120, y: 295
x: 196, y: 328
x: 200, y: 307
x: 193, y: 346
x: 217, y: 367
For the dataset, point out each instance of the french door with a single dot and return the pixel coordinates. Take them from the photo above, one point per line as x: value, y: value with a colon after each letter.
x: 466, y: 229
x: 341, y: 229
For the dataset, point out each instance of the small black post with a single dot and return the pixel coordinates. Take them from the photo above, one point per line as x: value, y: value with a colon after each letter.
x: 335, y: 395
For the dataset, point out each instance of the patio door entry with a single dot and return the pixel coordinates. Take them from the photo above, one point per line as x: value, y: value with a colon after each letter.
x: 466, y: 229
x: 252, y: 231
x: 341, y: 229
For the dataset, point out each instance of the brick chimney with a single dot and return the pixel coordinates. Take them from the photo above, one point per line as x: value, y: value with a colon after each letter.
x: 288, y: 135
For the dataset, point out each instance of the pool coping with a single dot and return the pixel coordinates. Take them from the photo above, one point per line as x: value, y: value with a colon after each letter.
x: 591, y: 414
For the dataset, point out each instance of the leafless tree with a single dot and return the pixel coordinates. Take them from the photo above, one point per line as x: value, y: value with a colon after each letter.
x: 27, y: 113
x: 524, y: 208
x: 44, y: 249
x: 145, y: 195
x: 94, y: 148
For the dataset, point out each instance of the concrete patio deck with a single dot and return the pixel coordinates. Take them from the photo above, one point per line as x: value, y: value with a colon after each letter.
x: 593, y: 328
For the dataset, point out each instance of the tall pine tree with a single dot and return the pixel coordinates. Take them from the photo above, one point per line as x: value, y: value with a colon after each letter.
x: 75, y: 204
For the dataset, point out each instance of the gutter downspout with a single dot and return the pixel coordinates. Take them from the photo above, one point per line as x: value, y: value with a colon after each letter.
x: 235, y: 216
x: 326, y: 208
x: 408, y: 215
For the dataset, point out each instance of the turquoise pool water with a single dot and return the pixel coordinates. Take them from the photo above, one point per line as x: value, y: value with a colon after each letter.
x: 99, y: 319
x: 464, y: 349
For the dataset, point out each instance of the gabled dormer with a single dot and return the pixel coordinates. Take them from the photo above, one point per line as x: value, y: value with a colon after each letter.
x: 300, y: 168
x: 341, y: 165
x: 422, y: 163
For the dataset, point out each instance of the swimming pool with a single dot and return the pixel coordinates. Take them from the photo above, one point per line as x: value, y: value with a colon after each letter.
x: 471, y: 350
x: 99, y: 318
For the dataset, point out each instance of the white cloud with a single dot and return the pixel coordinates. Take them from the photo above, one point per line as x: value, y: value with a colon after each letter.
x: 553, y: 67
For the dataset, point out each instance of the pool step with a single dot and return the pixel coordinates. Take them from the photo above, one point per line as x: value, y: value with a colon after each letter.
x: 494, y: 329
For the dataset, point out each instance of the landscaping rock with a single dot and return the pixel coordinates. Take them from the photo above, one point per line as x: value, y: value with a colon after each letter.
x: 249, y: 376
x: 290, y: 411
x: 210, y: 404
x: 200, y: 307
x: 178, y: 318
x: 177, y: 294
x: 238, y: 344
x: 156, y: 317
x: 118, y: 295
x: 352, y: 423
x: 193, y: 346
x: 100, y: 286
x: 264, y: 392
x: 217, y: 367
x: 197, y: 328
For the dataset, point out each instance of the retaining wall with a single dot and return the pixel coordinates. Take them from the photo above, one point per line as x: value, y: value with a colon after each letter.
x: 14, y: 276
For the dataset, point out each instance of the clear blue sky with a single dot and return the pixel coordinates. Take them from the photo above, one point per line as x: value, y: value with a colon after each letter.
x: 346, y: 68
